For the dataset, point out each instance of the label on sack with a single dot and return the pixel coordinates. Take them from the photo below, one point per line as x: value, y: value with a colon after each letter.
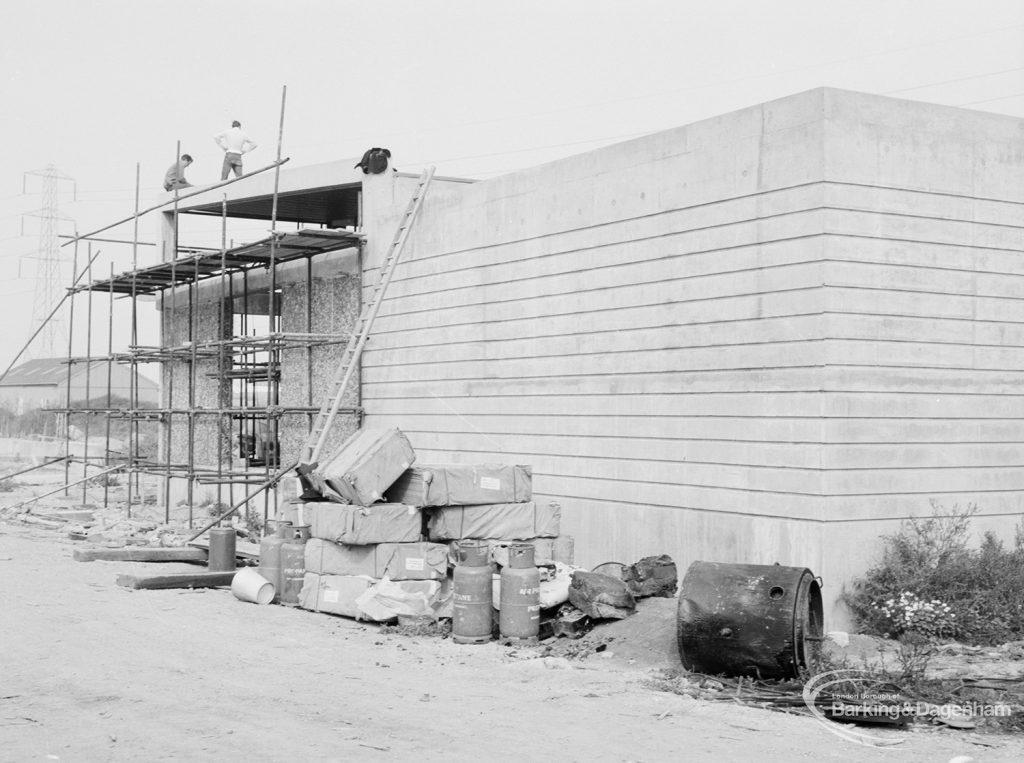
x: 414, y: 563
x: 490, y: 483
x: 331, y: 597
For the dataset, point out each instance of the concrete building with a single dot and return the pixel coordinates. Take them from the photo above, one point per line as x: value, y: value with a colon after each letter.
x: 764, y: 337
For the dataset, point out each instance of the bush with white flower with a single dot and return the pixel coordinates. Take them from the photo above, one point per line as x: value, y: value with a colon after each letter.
x: 909, y: 613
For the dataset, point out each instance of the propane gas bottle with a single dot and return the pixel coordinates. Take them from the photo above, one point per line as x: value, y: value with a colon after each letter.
x: 519, y: 618
x: 472, y: 603
x: 270, y: 553
x: 293, y: 563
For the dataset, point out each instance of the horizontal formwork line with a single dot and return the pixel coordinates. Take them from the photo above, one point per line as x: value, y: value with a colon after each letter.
x: 758, y: 369
x: 662, y: 372
x: 917, y: 266
x: 925, y: 242
x: 760, y: 514
x: 697, y: 252
x: 620, y: 395
x: 624, y: 220
x: 728, y: 464
x: 712, y: 203
x: 972, y: 369
x: 595, y: 353
x: 590, y: 478
x: 923, y: 192
x: 919, y: 317
x: 816, y: 287
x: 640, y: 264
x: 631, y: 329
x: 928, y: 218
x: 618, y: 242
x: 733, y: 512
x: 595, y: 290
x: 766, y: 342
x: 687, y: 416
x: 903, y: 517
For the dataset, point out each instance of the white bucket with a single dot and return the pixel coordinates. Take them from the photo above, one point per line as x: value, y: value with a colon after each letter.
x: 249, y: 585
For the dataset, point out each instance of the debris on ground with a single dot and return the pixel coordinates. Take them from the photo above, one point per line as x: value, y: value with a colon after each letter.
x: 652, y: 576
x: 601, y: 596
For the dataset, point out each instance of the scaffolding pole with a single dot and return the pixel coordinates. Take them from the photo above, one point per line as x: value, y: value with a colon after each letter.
x: 177, y: 198
x: 67, y: 416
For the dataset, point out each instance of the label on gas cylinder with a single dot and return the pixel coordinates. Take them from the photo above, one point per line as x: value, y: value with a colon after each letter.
x: 528, y: 591
x: 490, y: 483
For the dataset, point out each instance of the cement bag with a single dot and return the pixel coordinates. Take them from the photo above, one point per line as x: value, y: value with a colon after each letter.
x: 390, y: 598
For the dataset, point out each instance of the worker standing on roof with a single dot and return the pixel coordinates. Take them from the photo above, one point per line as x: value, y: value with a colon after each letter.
x: 175, y: 177
x: 235, y: 143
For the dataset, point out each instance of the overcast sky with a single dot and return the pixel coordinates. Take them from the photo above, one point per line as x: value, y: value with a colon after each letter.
x: 475, y: 87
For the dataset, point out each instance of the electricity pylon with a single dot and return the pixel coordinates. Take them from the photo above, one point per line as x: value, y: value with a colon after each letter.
x: 49, y: 279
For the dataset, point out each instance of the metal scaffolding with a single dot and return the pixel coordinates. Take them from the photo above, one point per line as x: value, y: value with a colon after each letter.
x: 242, y: 362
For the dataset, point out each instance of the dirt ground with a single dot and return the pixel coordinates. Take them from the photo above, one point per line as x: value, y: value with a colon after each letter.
x: 90, y: 671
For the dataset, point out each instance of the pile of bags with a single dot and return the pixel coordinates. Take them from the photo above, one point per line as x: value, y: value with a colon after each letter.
x: 382, y: 529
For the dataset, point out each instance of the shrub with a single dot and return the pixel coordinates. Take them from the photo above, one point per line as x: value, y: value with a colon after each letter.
x: 929, y: 583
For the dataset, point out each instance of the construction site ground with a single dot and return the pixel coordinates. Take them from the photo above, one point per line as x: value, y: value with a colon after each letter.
x: 91, y: 671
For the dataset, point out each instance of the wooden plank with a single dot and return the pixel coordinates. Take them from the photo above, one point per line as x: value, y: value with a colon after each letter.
x: 140, y: 554
x: 242, y: 548
x: 179, y: 580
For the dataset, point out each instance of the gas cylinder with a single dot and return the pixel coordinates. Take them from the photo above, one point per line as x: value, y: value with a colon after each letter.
x: 293, y: 563
x: 222, y: 549
x: 519, y: 618
x: 471, y: 593
x: 270, y: 554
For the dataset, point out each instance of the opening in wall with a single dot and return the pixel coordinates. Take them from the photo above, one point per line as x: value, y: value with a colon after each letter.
x: 255, y: 373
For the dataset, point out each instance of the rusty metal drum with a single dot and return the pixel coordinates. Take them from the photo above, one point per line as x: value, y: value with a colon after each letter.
x: 472, y: 604
x: 755, y: 620
x: 222, y: 549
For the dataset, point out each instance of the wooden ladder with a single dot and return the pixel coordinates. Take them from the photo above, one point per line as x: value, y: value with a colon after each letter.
x: 361, y: 331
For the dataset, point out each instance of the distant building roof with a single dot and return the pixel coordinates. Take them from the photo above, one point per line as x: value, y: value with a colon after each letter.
x: 44, y: 372
x: 51, y: 372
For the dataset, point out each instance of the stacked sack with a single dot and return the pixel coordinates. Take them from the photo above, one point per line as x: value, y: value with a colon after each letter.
x: 488, y: 502
x: 367, y: 559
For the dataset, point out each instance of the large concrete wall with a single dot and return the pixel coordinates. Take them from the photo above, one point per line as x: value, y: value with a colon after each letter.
x: 924, y: 385
x: 642, y: 324
x: 763, y: 337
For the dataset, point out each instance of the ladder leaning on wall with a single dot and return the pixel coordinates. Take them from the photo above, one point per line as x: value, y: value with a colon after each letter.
x: 354, y: 349
x: 350, y: 357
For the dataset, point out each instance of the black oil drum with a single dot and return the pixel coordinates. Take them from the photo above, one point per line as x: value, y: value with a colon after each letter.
x: 757, y: 620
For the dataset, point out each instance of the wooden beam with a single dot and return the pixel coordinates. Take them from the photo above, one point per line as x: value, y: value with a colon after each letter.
x: 140, y: 554
x: 179, y: 580
x: 242, y: 549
